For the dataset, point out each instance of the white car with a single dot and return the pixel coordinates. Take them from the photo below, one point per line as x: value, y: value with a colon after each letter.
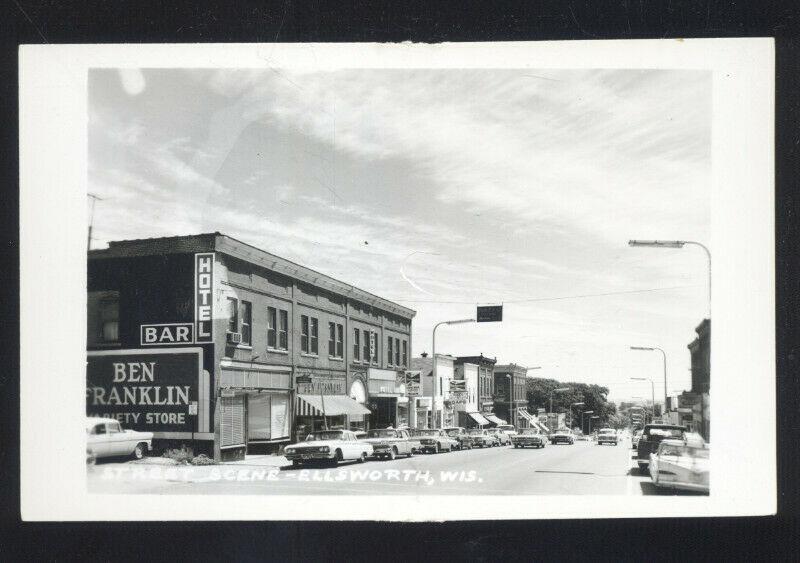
x: 508, y: 429
x: 106, y: 438
x: 680, y: 464
x: 330, y: 446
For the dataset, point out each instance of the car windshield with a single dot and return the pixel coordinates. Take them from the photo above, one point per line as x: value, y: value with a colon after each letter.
x: 419, y: 432
x: 382, y: 434
x: 506, y: 427
x: 529, y: 431
x: 475, y: 432
x: 607, y: 432
x: 453, y: 431
x: 325, y: 435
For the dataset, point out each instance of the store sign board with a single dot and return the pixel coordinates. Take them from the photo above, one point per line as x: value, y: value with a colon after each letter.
x: 321, y: 386
x: 166, y: 334
x: 490, y: 314
x: 149, y: 390
x: 412, y: 389
x: 203, y: 296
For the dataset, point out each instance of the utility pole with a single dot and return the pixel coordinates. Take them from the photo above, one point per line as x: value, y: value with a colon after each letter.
x: 91, y: 219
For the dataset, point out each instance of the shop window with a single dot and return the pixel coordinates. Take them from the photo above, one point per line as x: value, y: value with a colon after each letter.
x: 397, y: 351
x: 356, y: 344
x: 389, y: 355
x: 233, y: 320
x: 272, y: 328
x: 103, y: 317
x: 283, y: 330
x: 313, y: 335
x: 232, y: 422
x: 246, y: 311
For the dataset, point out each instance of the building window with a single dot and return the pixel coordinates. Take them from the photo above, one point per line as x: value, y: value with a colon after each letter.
x: 313, y: 335
x: 304, y: 334
x: 103, y: 317
x: 233, y: 316
x: 397, y: 351
x: 389, y: 354
x: 247, y: 321
x: 356, y: 344
x: 340, y: 340
x: 283, y: 330
x: 367, y: 350
x: 272, y: 328
x: 332, y: 339
x: 336, y: 340
x: 405, y: 353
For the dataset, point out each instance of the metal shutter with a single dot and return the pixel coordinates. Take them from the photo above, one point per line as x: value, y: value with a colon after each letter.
x: 232, y: 421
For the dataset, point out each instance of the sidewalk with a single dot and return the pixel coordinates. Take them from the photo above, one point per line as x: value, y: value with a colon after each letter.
x: 278, y: 461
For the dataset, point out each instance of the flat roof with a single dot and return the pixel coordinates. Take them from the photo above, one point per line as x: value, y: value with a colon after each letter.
x: 224, y: 244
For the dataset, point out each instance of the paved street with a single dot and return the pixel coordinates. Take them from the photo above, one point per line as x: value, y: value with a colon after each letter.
x: 582, y: 468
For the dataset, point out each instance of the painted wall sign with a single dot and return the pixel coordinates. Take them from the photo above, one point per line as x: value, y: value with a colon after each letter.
x: 151, y: 390
x: 166, y: 333
x: 203, y: 296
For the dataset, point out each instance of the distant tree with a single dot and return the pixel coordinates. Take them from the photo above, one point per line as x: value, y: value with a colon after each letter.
x: 593, y: 396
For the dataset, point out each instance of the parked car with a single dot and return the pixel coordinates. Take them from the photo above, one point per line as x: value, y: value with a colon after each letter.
x: 360, y: 434
x: 481, y: 438
x: 607, y: 436
x: 508, y: 429
x: 635, y: 439
x: 106, y: 438
x: 580, y: 436
x: 652, y: 436
x: 435, y: 441
x: 331, y: 446
x: 529, y: 437
x: 388, y: 443
x: 680, y: 464
x: 503, y: 439
x: 562, y: 436
x: 460, y: 434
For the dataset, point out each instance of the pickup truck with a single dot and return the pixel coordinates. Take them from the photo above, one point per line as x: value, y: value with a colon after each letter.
x: 652, y: 435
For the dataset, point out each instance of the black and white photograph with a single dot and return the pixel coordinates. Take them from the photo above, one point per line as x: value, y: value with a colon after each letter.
x: 412, y: 275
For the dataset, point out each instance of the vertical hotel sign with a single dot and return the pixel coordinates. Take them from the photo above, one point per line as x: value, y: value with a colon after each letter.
x: 203, y: 296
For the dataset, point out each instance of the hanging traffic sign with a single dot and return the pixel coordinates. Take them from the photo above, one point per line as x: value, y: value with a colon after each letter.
x: 490, y: 314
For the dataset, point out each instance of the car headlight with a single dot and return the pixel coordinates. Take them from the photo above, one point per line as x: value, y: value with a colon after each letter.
x: 324, y: 449
x: 288, y: 451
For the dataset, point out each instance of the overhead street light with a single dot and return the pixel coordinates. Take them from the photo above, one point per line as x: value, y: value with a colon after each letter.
x: 664, y: 356
x: 433, y: 371
x: 678, y: 244
x: 559, y: 390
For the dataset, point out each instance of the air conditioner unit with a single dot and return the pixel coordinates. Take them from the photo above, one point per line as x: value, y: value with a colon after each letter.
x: 235, y: 337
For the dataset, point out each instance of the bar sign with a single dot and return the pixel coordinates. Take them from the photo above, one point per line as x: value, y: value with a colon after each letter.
x: 490, y: 314
x: 203, y: 295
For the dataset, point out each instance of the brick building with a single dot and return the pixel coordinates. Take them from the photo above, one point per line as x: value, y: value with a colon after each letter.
x: 239, y: 349
x: 485, y: 384
x: 510, y: 394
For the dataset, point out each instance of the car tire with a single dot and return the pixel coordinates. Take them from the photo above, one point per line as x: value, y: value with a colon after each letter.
x: 337, y: 457
x: 437, y: 448
x: 296, y: 463
x: 362, y: 458
x: 138, y: 451
x: 410, y: 452
x: 392, y: 454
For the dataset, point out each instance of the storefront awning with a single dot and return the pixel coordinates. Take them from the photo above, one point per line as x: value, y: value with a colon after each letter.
x: 541, y: 427
x: 478, y: 417
x: 494, y: 420
x: 526, y: 415
x: 335, y: 405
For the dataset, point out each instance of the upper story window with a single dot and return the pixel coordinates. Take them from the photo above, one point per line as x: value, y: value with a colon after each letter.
x: 405, y: 353
x: 309, y: 335
x: 367, y: 351
x: 335, y: 340
x: 356, y: 344
x: 397, y: 351
x: 103, y: 317
x: 340, y: 340
x: 389, y: 354
x: 283, y: 330
x: 233, y: 315
x: 246, y: 314
x: 277, y: 329
x: 272, y: 327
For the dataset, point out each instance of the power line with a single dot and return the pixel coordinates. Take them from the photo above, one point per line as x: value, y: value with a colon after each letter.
x: 538, y: 299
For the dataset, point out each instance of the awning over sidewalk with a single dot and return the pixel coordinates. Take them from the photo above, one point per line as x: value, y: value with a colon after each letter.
x: 478, y: 417
x: 335, y: 405
x: 526, y: 415
x: 541, y: 427
x: 494, y: 420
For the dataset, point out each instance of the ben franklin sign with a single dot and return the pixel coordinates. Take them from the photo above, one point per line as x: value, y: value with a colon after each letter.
x: 149, y: 390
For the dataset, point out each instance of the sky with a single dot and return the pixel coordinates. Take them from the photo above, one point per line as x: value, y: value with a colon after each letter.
x: 439, y: 190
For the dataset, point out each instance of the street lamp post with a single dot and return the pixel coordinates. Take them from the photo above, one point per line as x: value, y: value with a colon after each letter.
x: 678, y: 244
x: 652, y: 391
x: 590, y: 422
x: 582, y: 414
x: 433, y: 370
x: 572, y: 418
x: 664, y: 356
